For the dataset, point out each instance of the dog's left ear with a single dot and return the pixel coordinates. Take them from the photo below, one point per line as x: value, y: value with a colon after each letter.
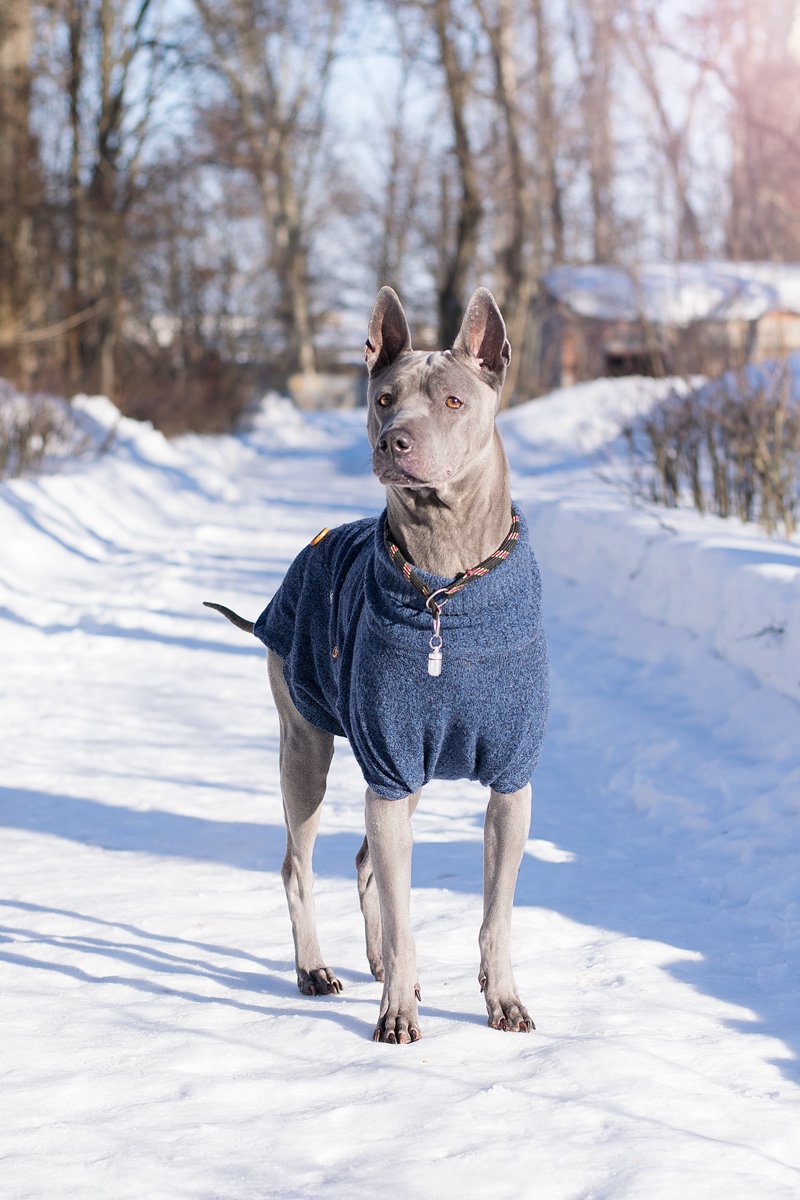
x: 389, y: 335
x: 483, y: 335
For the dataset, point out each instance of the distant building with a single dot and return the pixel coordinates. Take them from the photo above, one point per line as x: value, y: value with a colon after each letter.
x: 345, y: 388
x: 670, y: 318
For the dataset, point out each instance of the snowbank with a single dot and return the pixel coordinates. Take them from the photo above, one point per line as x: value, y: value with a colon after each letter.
x: 722, y: 580
x: 276, y: 422
x: 38, y: 432
x: 740, y: 591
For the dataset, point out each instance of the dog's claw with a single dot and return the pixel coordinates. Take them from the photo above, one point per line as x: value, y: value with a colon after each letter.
x: 507, y: 1027
x: 517, y: 1021
x: 402, y: 1037
x: 402, y: 1030
x: 506, y: 1012
x: 319, y: 982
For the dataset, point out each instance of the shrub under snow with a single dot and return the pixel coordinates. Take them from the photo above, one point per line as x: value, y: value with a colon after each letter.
x: 733, y: 445
x: 36, y: 430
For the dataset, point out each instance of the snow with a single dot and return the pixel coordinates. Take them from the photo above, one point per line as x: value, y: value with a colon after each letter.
x: 721, y: 580
x: 678, y: 293
x: 156, y: 1044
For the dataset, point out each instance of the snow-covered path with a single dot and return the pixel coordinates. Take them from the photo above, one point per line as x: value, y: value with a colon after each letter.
x: 155, y: 1042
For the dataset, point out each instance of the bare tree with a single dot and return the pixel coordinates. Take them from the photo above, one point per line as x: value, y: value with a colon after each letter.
x: 752, y: 49
x: 21, y: 296
x: 400, y: 195
x: 115, y: 69
x: 641, y: 40
x: 595, y: 66
x: 407, y: 154
x: 194, y: 317
x: 458, y: 55
x: 275, y: 58
x: 765, y: 179
x: 547, y: 131
x: 515, y: 273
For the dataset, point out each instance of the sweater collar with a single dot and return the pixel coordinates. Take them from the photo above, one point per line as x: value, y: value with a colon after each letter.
x: 481, y: 592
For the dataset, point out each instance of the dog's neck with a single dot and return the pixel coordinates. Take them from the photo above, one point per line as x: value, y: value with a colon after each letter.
x: 455, y: 526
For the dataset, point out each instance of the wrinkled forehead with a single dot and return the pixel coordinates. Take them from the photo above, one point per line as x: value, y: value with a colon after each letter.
x: 430, y: 373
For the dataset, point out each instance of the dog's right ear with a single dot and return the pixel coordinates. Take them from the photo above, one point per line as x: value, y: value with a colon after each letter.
x: 389, y: 335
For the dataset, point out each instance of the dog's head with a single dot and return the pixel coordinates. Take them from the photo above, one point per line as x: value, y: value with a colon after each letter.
x: 431, y: 415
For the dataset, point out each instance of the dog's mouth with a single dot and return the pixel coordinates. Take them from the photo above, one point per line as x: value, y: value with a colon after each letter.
x: 391, y: 473
x: 408, y: 470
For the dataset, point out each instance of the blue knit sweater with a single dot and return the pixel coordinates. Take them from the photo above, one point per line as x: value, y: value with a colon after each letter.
x: 353, y: 636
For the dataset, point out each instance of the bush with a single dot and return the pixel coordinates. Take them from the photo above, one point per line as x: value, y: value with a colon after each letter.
x: 206, y: 395
x: 35, y: 429
x: 734, y: 444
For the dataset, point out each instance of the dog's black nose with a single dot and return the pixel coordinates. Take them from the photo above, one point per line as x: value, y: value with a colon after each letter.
x: 398, y: 441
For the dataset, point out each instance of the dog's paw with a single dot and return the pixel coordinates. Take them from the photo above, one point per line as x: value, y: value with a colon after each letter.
x: 511, y: 1017
x: 319, y: 982
x: 506, y: 1012
x: 398, y: 1025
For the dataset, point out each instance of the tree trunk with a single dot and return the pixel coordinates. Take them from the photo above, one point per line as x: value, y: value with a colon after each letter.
x: 547, y: 134
x: 282, y: 219
x: 78, y: 256
x: 99, y: 208
x: 514, y: 273
x: 19, y: 295
x: 597, y: 111
x: 452, y: 299
x: 292, y: 256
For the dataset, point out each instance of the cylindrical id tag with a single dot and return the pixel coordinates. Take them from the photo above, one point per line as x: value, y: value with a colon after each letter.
x: 435, y: 656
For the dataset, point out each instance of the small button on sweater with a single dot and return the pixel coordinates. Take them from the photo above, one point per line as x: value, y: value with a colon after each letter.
x: 353, y: 635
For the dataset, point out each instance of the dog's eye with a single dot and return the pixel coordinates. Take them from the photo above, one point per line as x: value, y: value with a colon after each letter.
x: 453, y: 402
x: 385, y: 400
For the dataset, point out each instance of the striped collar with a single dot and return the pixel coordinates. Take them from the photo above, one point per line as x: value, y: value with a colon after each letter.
x: 432, y: 601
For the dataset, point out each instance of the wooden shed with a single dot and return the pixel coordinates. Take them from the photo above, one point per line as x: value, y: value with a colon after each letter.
x: 667, y: 318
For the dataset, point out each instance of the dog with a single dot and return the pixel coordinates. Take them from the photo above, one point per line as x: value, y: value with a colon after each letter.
x: 418, y: 635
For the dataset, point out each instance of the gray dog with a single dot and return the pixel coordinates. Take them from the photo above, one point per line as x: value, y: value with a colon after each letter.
x: 418, y: 636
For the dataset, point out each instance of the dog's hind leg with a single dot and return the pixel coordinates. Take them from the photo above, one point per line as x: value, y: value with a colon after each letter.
x: 305, y: 756
x: 370, y: 909
x: 508, y: 822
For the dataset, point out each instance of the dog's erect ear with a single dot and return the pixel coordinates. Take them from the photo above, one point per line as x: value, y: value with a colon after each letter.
x: 389, y: 335
x: 483, y: 334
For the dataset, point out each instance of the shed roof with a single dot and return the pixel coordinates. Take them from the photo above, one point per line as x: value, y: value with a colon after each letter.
x: 678, y: 293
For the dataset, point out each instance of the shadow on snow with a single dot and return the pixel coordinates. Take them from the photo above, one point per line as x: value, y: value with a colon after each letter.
x: 602, y: 887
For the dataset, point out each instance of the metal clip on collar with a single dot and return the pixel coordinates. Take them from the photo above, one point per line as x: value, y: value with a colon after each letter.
x: 435, y: 641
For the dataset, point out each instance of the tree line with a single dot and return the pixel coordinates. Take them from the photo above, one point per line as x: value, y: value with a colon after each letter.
x: 199, y: 198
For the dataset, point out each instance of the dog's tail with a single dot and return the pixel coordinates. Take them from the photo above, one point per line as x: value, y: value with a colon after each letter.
x: 238, y: 621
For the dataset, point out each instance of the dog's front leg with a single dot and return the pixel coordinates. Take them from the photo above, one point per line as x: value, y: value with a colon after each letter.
x: 390, y: 845
x: 508, y: 822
